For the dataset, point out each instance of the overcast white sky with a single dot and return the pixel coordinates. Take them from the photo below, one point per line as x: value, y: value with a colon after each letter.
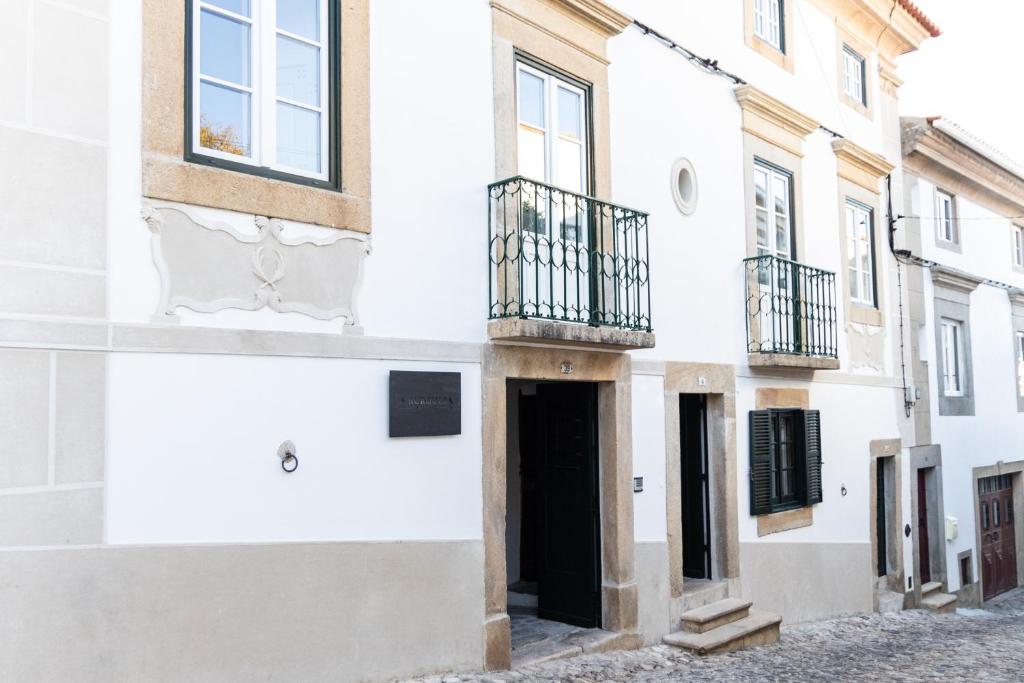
x: 971, y: 73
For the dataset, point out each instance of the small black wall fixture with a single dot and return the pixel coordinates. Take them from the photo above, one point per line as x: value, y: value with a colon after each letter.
x: 289, y: 461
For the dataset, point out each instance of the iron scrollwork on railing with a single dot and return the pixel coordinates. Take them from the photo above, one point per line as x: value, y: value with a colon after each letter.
x: 791, y: 308
x: 558, y: 255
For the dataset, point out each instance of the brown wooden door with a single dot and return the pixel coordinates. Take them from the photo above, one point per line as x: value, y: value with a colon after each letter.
x: 998, y: 540
x: 922, y: 528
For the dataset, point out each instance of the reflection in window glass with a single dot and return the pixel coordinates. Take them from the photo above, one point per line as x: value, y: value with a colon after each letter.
x: 224, y: 119
x: 298, y: 137
x: 236, y: 6
x: 224, y: 52
x: 239, y: 47
x: 301, y: 17
x: 298, y: 71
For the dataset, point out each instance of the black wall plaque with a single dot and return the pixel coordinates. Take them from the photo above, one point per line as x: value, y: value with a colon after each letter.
x: 424, y: 403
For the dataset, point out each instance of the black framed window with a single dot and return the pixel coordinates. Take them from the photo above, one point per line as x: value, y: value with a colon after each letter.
x: 261, y: 88
x: 855, y: 75
x: 785, y: 459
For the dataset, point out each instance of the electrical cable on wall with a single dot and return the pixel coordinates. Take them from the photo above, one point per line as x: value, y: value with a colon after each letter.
x: 704, y: 63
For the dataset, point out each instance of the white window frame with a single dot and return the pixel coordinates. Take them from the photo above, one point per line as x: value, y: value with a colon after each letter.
x: 768, y: 22
x: 854, y: 72
x: 952, y: 357
x: 860, y: 242
x: 771, y: 174
x: 263, y: 89
x: 1020, y: 363
x: 1018, y: 245
x: 551, y: 85
x: 946, y: 228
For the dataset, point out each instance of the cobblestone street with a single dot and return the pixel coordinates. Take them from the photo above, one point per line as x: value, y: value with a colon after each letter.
x: 913, y: 645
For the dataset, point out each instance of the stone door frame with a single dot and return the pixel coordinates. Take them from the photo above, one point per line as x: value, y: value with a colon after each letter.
x: 718, y: 382
x: 613, y: 375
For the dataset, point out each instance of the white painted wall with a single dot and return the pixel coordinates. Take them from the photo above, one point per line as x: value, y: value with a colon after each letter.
x: 996, y: 431
x: 662, y: 108
x: 649, y: 520
x: 192, y: 453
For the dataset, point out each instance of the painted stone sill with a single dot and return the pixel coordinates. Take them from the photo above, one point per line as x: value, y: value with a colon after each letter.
x: 863, y: 315
x: 785, y: 521
x: 787, y: 360
x: 570, y: 334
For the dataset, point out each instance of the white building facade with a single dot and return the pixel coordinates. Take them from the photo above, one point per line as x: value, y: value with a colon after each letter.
x: 963, y: 214
x: 650, y: 303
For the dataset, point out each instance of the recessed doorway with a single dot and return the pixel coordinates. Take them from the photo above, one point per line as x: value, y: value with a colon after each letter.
x: 695, y: 485
x: 553, y: 544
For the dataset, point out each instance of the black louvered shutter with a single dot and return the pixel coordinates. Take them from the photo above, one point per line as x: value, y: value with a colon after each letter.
x: 812, y: 454
x: 760, y: 462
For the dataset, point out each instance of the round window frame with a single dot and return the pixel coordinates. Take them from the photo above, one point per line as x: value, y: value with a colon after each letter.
x: 679, y: 166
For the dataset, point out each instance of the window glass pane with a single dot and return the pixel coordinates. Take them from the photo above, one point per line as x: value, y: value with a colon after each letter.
x: 780, y: 192
x: 782, y: 236
x: 236, y: 6
x: 298, y: 137
x: 569, y: 109
x: 761, y: 219
x: 301, y: 17
x: 224, y: 48
x: 298, y: 71
x: 760, y: 188
x: 984, y: 515
x: 569, y: 172
x: 867, y: 294
x: 531, y: 99
x: 531, y: 154
x: 224, y: 119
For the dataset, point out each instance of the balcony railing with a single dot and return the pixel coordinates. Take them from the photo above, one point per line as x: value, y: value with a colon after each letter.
x: 791, y: 308
x: 558, y: 255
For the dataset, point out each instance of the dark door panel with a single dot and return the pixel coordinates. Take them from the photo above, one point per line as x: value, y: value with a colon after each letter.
x: 998, y: 539
x: 569, y: 568
x: 694, y: 474
x: 922, y: 528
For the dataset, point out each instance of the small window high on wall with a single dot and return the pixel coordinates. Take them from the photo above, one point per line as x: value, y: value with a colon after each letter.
x: 260, y: 91
x: 768, y: 24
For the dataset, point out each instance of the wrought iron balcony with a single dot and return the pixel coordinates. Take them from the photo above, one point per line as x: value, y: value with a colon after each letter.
x: 791, y: 313
x: 560, y: 256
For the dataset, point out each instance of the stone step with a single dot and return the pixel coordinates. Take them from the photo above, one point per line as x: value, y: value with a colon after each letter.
x: 940, y: 603
x: 700, y: 592
x: 758, y: 628
x: 703, y: 619
x: 930, y: 587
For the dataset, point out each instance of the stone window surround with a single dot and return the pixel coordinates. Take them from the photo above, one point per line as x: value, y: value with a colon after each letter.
x: 845, y: 38
x: 570, y: 36
x: 167, y: 175
x: 772, y: 132
x: 951, y: 300
x: 957, y: 244
x: 859, y: 176
x: 782, y: 58
x: 1016, y: 469
x: 766, y: 398
x: 720, y: 387
x: 1017, y: 323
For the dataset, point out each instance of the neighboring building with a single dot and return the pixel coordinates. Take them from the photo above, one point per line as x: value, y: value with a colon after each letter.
x: 964, y: 206
x: 220, y: 466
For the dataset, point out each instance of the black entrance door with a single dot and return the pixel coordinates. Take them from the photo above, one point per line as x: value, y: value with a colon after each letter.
x: 695, y: 504
x: 569, y: 577
x: 924, y: 552
x: 881, y: 537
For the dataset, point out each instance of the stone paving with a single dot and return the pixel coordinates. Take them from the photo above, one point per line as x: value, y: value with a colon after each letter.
x: 914, y: 645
